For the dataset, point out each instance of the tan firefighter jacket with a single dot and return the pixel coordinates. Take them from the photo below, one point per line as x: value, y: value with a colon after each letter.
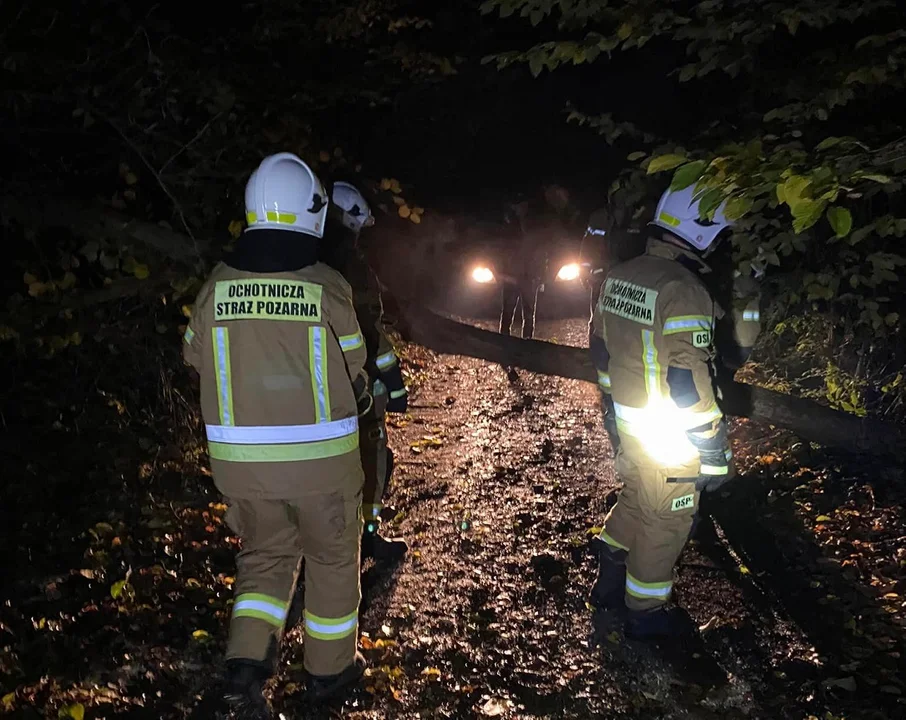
x: 277, y: 354
x: 653, y: 326
x: 382, y: 362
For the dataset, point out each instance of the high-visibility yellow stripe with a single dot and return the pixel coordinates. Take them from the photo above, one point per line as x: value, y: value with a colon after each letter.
x: 223, y: 374
x: 610, y: 541
x: 317, y: 357
x: 651, y: 365
x: 284, y: 452
x: 647, y: 591
x: 277, y: 217
x: 669, y: 219
x: 330, y: 628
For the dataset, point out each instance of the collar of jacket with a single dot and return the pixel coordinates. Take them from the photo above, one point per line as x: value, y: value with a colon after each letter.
x: 270, y: 251
x: 687, y: 258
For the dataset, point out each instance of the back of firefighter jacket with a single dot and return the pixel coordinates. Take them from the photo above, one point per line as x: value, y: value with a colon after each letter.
x: 656, y: 321
x: 277, y: 353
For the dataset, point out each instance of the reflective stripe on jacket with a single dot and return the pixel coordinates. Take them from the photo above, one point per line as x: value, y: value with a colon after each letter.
x: 276, y: 353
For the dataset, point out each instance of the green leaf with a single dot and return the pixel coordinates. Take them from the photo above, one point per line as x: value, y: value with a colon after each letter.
x: 687, y: 175
x: 805, y: 214
x: 661, y: 163
x: 883, y: 179
x: 76, y: 712
x: 633, y: 157
x: 536, y: 64
x: 737, y: 207
x: 116, y: 590
x: 840, y: 219
x: 709, y: 202
x: 828, y: 143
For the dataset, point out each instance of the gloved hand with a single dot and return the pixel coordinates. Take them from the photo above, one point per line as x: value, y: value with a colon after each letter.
x: 399, y: 396
x: 400, y: 403
x: 714, y: 451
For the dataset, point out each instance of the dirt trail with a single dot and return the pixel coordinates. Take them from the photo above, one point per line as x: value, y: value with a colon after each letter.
x: 118, y: 565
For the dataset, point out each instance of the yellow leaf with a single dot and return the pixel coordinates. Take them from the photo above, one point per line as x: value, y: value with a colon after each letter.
x: 37, y: 289
x: 822, y: 518
x: 8, y: 701
x: 200, y: 634
x: 131, y: 178
x: 187, y: 310
x: 28, y: 279
x: 596, y: 530
x: 68, y: 281
x: 404, y: 211
x: 744, y: 570
x: 395, y: 186
x: 418, y: 210
x: 76, y: 712
x: 398, y: 200
x: 386, y: 183
x: 431, y: 672
x: 235, y: 229
x: 141, y: 271
x: 417, y: 219
x: 324, y: 156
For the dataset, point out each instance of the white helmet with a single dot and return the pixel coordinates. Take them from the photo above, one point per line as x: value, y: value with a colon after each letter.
x: 283, y: 193
x: 356, y: 213
x: 677, y: 212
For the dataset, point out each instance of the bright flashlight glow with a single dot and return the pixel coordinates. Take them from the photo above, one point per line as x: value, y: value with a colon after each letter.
x: 482, y: 275
x: 661, y: 432
x: 568, y: 272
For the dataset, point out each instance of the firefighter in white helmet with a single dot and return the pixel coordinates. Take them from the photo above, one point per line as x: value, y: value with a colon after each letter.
x: 275, y: 340
x: 652, y: 346
x: 382, y: 365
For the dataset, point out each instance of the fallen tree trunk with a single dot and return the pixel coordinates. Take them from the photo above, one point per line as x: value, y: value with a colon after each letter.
x: 805, y: 418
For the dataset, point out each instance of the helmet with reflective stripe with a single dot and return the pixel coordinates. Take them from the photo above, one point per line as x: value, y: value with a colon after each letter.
x: 284, y: 194
x: 356, y: 213
x: 677, y: 212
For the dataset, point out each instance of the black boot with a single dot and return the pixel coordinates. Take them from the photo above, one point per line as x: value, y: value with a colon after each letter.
x: 242, y: 696
x: 667, y: 622
x: 383, y: 550
x: 326, y: 687
x: 610, y: 586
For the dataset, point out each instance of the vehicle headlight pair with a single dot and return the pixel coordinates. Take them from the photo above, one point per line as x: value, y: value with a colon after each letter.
x: 567, y: 273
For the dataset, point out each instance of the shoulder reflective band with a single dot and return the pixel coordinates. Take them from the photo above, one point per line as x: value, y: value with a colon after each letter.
x: 387, y: 360
x: 351, y: 342
x: 751, y: 315
x: 223, y: 375
x: 258, y: 299
x: 189, y: 335
x: 603, y: 380
x: 644, y: 590
x: 652, y: 367
x: 686, y: 323
x: 317, y: 362
x: 330, y: 628
x: 260, y: 607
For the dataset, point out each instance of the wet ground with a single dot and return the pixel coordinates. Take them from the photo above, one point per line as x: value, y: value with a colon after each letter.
x: 116, y: 601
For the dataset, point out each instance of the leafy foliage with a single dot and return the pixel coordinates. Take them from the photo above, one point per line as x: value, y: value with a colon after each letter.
x: 785, y: 79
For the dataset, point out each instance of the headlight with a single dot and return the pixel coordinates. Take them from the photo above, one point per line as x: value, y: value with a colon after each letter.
x: 482, y: 275
x: 569, y: 272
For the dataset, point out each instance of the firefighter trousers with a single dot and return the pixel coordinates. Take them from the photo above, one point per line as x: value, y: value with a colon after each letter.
x: 276, y: 535
x: 375, y: 456
x: 651, y: 521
